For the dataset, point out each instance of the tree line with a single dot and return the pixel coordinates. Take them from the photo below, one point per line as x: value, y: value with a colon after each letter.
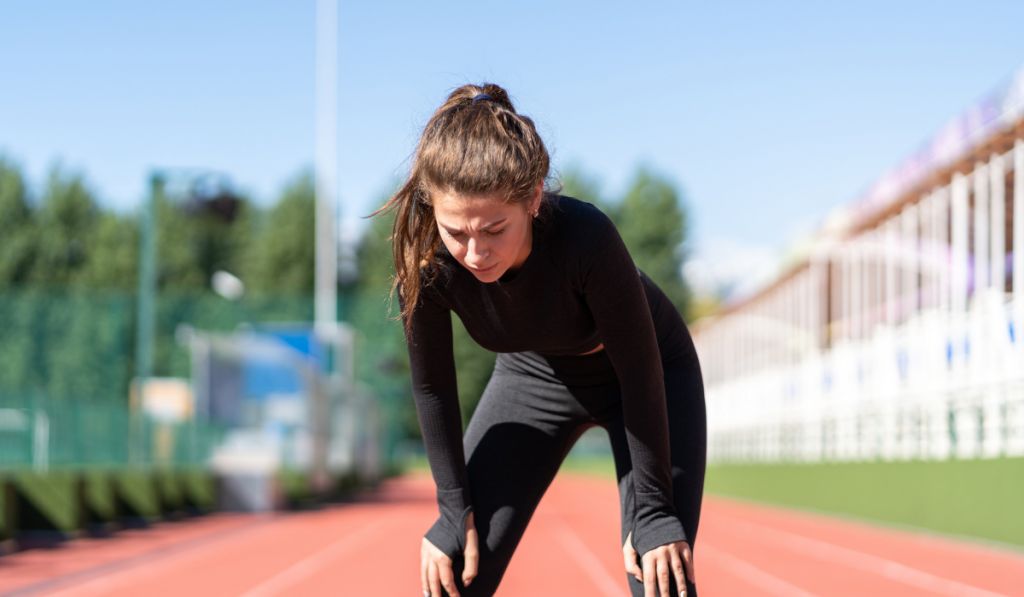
x: 61, y: 241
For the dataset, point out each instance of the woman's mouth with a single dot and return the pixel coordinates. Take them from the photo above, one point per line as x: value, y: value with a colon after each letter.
x: 484, y: 270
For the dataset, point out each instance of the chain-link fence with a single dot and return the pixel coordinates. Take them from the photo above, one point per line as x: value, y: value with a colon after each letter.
x: 67, y: 363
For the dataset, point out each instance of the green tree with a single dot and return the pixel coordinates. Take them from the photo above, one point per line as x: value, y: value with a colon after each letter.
x: 64, y: 229
x: 113, y: 262
x: 283, y: 259
x: 579, y: 184
x: 651, y: 219
x: 192, y: 246
x: 17, y: 234
x: 652, y: 222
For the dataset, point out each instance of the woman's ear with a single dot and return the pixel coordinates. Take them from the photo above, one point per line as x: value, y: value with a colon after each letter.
x: 537, y: 196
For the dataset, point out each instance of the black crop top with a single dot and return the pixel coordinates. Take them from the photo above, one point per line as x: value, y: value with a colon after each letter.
x: 578, y: 289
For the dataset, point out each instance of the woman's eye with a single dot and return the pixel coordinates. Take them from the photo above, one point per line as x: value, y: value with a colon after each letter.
x: 495, y: 232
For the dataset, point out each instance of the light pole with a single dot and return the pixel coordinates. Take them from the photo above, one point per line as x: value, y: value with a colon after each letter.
x: 326, y: 167
x: 145, y: 323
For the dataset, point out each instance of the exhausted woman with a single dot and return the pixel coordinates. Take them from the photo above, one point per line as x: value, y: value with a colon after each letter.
x: 583, y: 338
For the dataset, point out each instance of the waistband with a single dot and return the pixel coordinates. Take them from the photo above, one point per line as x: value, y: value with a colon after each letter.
x: 572, y: 370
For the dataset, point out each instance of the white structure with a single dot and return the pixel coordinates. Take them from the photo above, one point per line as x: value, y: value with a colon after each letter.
x: 898, y: 334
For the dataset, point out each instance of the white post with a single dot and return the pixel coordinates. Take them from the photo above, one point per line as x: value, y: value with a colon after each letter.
x: 864, y: 245
x: 997, y: 196
x: 326, y: 166
x: 909, y: 251
x: 817, y: 309
x: 960, y: 232
x: 882, y: 313
x: 960, y: 237
x: 891, y: 304
x: 927, y: 215
x: 1017, y: 279
x: 856, y: 312
x: 981, y: 242
x: 942, y: 247
x: 939, y: 438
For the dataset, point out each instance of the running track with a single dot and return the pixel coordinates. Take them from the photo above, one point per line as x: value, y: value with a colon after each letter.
x: 371, y: 547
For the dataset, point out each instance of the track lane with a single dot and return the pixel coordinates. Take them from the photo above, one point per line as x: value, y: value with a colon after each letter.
x: 571, y: 548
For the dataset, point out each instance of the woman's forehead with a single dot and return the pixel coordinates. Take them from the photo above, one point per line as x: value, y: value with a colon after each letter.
x: 463, y: 207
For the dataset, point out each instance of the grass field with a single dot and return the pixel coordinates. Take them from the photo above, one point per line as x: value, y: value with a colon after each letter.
x: 975, y: 498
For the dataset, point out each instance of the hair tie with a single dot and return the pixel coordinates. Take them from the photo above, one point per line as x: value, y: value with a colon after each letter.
x: 482, y: 96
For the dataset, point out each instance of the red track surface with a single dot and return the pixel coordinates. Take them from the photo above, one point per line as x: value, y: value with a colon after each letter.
x: 372, y: 548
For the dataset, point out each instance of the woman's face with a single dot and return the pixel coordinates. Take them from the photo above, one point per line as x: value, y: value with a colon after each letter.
x: 486, y: 235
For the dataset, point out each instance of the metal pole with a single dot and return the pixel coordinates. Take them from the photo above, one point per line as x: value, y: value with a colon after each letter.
x: 145, y: 327
x: 326, y: 274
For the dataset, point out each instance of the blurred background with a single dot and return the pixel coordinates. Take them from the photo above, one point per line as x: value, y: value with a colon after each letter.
x: 194, y: 308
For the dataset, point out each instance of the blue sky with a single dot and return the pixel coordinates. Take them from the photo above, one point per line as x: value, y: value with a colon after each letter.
x: 767, y: 114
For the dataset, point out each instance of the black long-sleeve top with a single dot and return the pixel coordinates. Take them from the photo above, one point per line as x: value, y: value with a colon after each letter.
x: 578, y: 289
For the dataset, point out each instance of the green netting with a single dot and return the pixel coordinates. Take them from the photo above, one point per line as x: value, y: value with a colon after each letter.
x: 67, y: 360
x: 48, y: 433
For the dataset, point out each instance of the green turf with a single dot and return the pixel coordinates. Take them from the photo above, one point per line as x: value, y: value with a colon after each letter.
x: 198, y: 488
x: 138, y: 493
x: 975, y: 498
x: 978, y: 498
x: 7, y: 505
x: 602, y: 466
x: 53, y: 495
x: 590, y: 465
x: 99, y: 495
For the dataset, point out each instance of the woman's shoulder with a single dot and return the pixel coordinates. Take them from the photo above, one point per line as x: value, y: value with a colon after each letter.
x: 577, y: 223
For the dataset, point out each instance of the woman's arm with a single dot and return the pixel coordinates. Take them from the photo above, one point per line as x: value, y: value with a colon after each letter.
x: 612, y: 288
x: 614, y: 292
x: 437, y: 406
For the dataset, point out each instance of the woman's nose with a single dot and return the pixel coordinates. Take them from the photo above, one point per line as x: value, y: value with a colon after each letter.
x: 476, y: 252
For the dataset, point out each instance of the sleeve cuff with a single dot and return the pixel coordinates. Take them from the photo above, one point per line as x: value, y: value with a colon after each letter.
x: 653, y: 527
x: 448, y: 533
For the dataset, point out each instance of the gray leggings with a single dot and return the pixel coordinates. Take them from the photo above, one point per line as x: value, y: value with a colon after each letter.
x: 534, y: 409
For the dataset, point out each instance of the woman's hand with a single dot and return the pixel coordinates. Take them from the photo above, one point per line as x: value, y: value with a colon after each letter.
x: 659, y: 563
x: 436, y: 568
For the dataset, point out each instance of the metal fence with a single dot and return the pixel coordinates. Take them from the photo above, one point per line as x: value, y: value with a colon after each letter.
x: 67, y: 363
x: 44, y: 433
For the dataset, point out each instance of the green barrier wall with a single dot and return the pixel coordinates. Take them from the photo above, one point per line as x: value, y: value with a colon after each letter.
x: 99, y: 502
x: 978, y: 498
x: 48, y: 500
x: 70, y: 499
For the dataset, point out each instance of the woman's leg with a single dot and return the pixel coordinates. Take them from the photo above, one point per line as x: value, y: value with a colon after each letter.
x: 516, y: 441
x: 687, y: 425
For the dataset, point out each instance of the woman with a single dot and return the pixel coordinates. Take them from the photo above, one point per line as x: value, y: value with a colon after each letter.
x: 583, y: 339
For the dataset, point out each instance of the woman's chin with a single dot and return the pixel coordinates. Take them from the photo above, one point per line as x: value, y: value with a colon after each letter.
x: 489, y: 275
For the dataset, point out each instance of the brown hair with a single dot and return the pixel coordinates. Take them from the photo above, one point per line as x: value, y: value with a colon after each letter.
x: 468, y: 148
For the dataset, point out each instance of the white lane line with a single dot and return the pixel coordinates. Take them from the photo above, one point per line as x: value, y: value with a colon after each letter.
x: 306, y: 568
x: 585, y: 558
x: 859, y: 560
x: 752, y: 574
x: 151, y: 565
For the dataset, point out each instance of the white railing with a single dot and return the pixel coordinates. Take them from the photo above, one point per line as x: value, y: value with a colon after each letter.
x: 936, y: 386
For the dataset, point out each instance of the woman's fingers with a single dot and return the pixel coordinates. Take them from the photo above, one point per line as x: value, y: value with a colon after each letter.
x: 630, y: 559
x: 688, y: 562
x: 663, y: 575
x: 650, y: 575
x: 424, y: 562
x: 447, y: 578
x: 435, y: 580
x: 679, y: 572
x: 471, y: 554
